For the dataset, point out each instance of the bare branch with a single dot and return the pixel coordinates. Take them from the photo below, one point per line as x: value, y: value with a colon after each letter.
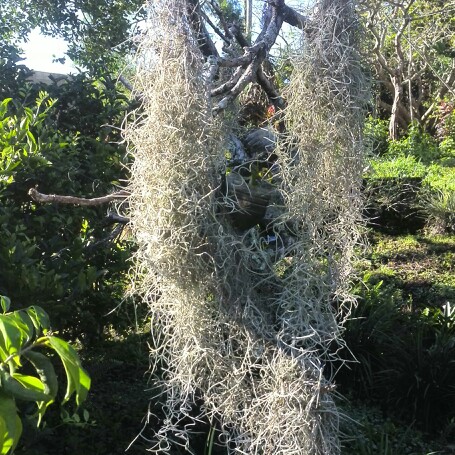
x: 269, y: 88
x: 59, y: 199
x: 250, y: 63
x: 113, y: 217
x: 449, y: 82
x: 292, y: 17
x: 205, y: 42
x: 215, y: 28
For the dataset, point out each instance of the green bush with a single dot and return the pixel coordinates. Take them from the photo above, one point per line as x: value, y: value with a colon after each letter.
x: 416, y: 143
x: 366, y: 431
x: 440, y: 178
x: 55, y: 254
x: 401, y: 166
x: 376, y: 135
x: 446, y: 131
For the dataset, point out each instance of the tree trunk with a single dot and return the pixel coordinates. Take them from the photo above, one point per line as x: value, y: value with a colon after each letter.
x: 398, y: 92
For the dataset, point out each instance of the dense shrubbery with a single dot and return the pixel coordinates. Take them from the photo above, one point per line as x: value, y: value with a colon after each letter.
x: 411, y: 181
x: 402, y: 334
x: 54, y: 255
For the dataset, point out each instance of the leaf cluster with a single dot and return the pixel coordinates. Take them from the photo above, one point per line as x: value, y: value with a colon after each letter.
x: 24, y: 334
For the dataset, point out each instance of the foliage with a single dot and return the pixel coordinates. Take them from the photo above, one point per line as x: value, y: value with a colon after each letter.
x: 376, y: 134
x: 22, y: 334
x: 397, y: 167
x: 13, y: 75
x: 403, y: 343
x: 445, y: 131
x: 438, y: 208
x: 417, y: 143
x: 414, y: 179
x: 118, y: 383
x: 366, y: 431
x: 410, y: 53
x: 97, y: 32
x: 50, y: 253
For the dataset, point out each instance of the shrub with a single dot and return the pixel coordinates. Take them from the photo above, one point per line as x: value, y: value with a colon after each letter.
x: 52, y: 253
x: 438, y: 208
x: 416, y: 143
x: 401, y: 166
x: 376, y: 134
x: 405, y: 357
x: 366, y: 431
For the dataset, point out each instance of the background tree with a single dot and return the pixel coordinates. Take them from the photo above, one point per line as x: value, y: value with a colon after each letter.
x: 98, y: 33
x: 413, y: 58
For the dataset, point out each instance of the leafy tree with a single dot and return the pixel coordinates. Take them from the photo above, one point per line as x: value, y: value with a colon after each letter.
x: 97, y: 32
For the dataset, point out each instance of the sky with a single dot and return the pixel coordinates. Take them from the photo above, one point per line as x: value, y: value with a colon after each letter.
x: 40, y: 51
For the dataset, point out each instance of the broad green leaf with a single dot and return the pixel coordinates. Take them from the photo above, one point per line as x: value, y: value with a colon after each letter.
x: 10, y: 337
x: 5, y: 303
x: 47, y: 375
x: 45, y: 371
x: 4, y: 106
x: 25, y: 323
x: 11, y: 425
x: 29, y: 382
x: 40, y: 318
x: 23, y: 387
x: 78, y: 379
x: 16, y: 329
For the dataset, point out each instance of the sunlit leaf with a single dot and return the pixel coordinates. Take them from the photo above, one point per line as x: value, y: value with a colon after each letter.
x: 5, y: 303
x: 40, y: 318
x: 11, y: 425
x: 78, y: 379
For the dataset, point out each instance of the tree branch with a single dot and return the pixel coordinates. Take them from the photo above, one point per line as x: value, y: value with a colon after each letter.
x: 292, y: 17
x: 250, y: 63
x: 59, y: 199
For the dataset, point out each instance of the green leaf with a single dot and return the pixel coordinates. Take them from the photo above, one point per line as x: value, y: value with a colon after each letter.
x: 29, y: 382
x: 25, y: 323
x: 46, y: 372
x: 16, y: 329
x: 10, y: 337
x: 5, y: 303
x: 10, y: 426
x: 23, y: 387
x: 39, y: 317
x: 78, y: 379
x: 4, y: 106
x: 3, y: 434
